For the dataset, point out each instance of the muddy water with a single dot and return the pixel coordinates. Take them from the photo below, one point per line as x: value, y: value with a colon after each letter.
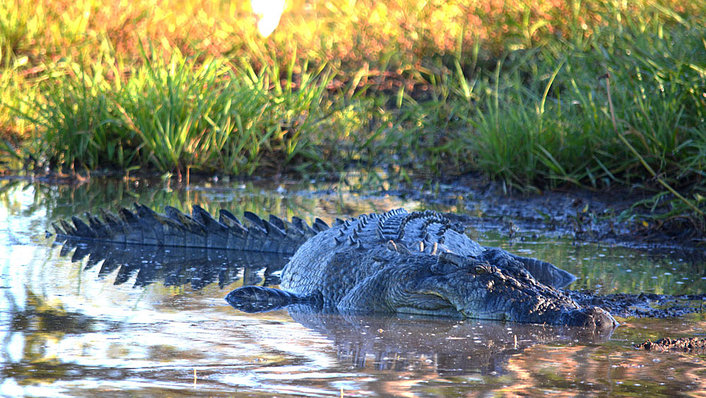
x: 76, y: 322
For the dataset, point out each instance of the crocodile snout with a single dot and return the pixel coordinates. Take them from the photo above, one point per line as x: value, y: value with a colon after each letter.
x: 592, y: 317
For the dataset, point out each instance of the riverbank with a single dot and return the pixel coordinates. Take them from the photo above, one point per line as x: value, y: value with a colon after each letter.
x: 598, y: 95
x: 575, y: 214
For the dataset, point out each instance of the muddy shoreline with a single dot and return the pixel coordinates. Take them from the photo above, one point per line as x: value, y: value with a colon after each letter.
x: 578, y: 214
x: 690, y: 345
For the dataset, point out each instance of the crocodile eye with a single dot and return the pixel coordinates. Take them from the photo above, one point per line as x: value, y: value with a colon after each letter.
x: 481, y: 269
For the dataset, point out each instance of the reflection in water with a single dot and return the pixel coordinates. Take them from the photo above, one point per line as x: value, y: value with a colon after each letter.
x: 392, y: 343
x: 176, y: 266
x: 116, y: 320
x: 262, y: 197
x: 444, y: 346
x: 38, y: 326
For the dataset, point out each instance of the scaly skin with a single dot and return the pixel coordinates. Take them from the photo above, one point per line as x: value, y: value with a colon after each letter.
x: 176, y: 229
x: 394, y: 262
x: 389, y: 277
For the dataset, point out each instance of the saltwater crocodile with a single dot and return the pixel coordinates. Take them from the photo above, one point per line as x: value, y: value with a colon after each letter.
x: 394, y: 262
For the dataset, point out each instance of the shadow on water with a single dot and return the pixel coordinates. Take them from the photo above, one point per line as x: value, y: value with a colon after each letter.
x: 80, y: 319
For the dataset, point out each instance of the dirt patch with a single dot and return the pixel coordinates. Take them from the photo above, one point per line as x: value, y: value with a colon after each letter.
x: 474, y: 200
x: 694, y: 345
x: 642, y: 305
x: 580, y: 214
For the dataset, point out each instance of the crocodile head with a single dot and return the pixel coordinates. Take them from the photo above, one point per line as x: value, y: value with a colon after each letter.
x: 452, y: 285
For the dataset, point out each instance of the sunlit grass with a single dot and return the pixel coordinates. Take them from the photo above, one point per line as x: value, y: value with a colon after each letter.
x: 650, y: 139
x: 179, y: 115
x: 508, y: 88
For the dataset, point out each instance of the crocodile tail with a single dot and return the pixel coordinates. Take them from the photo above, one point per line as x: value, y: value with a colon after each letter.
x: 261, y: 299
x: 144, y: 226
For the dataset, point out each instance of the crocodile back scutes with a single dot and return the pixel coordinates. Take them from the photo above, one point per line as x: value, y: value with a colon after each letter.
x: 144, y: 226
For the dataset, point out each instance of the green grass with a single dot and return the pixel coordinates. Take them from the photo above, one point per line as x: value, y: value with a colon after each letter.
x: 542, y: 117
x: 513, y: 90
x: 559, y: 128
x: 180, y: 114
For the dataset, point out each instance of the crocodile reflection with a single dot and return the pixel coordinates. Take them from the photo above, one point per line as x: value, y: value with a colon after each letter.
x: 448, y: 347
x: 176, y: 266
x: 384, y: 342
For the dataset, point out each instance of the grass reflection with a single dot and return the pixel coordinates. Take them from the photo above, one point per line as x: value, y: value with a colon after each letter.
x: 606, y: 268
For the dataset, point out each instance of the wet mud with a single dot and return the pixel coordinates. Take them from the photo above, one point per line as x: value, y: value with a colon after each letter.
x: 692, y: 345
x: 643, y: 305
x: 580, y: 214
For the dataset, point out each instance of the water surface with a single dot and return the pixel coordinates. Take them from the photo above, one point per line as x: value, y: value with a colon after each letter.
x: 155, y: 323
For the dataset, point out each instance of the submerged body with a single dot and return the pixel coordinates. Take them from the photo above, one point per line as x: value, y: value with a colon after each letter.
x: 394, y: 262
x: 418, y: 263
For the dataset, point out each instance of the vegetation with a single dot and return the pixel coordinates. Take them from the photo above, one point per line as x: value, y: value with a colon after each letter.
x: 537, y: 94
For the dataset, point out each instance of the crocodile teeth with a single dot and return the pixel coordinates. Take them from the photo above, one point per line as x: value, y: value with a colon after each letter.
x: 421, y: 246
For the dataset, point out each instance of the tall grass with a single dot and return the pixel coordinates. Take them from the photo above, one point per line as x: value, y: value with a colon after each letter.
x: 545, y: 118
x: 512, y: 89
x: 76, y: 120
x: 182, y: 114
x: 166, y: 104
